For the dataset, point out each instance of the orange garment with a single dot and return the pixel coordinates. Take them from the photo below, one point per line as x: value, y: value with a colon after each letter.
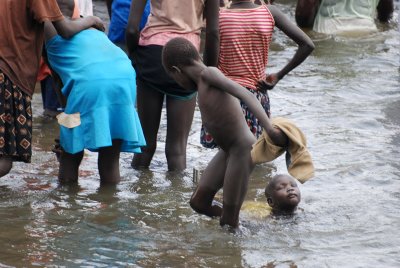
x: 76, y: 13
x: 22, y: 37
x: 44, y: 70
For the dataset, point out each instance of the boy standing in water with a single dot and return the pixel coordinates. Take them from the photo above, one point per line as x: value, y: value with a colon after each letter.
x: 222, y: 116
x: 21, y: 43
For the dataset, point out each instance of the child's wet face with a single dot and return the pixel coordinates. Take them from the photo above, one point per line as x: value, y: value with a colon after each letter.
x: 285, y: 194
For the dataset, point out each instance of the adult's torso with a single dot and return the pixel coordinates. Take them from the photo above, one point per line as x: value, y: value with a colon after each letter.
x: 345, y: 15
x: 245, y: 36
x: 172, y: 17
x: 21, y: 42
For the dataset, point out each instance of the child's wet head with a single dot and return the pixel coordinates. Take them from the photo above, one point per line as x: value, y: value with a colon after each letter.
x: 283, y: 194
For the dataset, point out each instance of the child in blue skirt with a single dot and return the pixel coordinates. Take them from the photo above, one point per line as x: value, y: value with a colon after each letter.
x: 100, y: 91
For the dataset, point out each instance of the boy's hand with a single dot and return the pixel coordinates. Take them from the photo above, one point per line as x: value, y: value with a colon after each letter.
x: 268, y: 83
x: 98, y: 23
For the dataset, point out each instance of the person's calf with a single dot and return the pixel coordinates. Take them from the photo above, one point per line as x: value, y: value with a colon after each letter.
x: 69, y: 167
x: 108, y: 163
x: 230, y: 216
x: 6, y: 164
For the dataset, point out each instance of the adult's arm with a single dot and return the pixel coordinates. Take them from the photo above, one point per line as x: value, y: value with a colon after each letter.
x: 305, y: 13
x: 211, y: 48
x: 305, y: 47
x: 132, y: 32
x: 67, y: 28
x: 109, y: 4
x: 385, y: 10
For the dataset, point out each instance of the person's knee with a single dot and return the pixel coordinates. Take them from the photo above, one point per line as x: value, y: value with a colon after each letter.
x: 201, y: 200
x: 5, y: 165
x: 196, y: 205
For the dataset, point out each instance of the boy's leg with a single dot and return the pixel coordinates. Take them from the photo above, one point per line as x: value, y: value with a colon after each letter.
x: 236, y: 179
x: 212, y: 179
x: 6, y: 164
x: 179, y: 121
x: 69, y: 167
x: 108, y: 163
x: 149, y: 105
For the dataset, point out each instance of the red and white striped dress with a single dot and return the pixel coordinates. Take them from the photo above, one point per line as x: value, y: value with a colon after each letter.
x: 245, y: 36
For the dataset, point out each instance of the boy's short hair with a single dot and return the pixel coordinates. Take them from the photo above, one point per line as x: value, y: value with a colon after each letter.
x: 179, y: 52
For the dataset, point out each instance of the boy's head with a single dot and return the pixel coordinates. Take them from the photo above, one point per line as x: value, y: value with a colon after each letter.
x: 66, y: 7
x: 282, y: 194
x: 177, y: 54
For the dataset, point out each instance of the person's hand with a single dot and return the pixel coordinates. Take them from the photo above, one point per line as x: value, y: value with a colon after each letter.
x: 268, y: 83
x: 98, y: 23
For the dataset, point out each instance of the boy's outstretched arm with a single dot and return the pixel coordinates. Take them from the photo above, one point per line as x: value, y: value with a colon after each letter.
x: 213, y: 77
x: 305, y: 47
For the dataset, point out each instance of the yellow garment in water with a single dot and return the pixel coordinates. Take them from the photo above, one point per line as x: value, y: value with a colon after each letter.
x: 255, y: 210
x: 298, y: 159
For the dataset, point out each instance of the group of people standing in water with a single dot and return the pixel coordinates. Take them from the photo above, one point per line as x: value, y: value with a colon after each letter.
x: 113, y: 98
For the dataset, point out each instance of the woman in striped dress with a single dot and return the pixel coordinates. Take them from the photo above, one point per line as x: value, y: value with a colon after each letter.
x: 246, y: 32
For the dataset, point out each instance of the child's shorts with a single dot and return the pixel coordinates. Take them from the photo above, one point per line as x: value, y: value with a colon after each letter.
x: 208, y: 141
x: 15, y: 121
x: 149, y: 70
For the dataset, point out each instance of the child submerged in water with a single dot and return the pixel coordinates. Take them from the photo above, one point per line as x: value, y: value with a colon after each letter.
x: 283, y: 196
x: 222, y: 116
x: 99, y: 87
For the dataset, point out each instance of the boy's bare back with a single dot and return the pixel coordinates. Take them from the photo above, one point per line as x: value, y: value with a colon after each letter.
x: 221, y: 113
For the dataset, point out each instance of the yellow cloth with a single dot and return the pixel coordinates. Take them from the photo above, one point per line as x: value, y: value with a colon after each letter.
x: 298, y: 159
x: 255, y: 210
x: 69, y: 120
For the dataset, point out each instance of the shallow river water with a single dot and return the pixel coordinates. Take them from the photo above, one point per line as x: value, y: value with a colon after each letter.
x: 346, y: 99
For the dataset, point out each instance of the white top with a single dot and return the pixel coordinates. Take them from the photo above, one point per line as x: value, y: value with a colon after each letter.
x: 85, y: 7
x: 344, y: 16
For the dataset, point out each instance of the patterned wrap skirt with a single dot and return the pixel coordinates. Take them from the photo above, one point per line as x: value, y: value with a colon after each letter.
x: 207, y: 140
x: 15, y: 121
